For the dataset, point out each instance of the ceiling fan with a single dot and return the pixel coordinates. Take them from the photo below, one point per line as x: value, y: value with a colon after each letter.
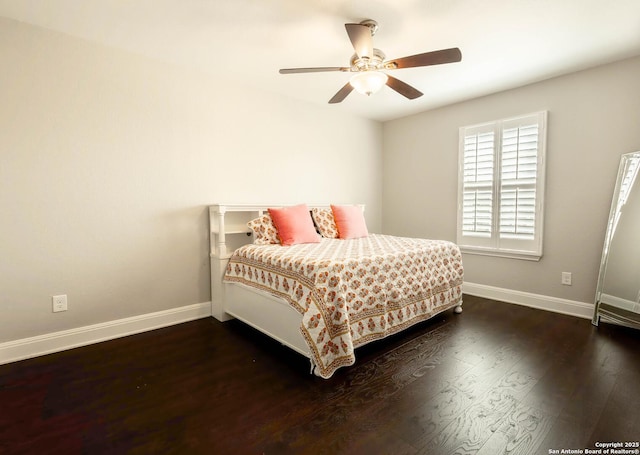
x: 368, y: 64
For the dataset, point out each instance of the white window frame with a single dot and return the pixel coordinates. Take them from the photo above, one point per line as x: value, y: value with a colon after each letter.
x: 486, y: 239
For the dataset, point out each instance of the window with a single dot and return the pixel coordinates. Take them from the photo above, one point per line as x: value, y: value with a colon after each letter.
x: 501, y: 187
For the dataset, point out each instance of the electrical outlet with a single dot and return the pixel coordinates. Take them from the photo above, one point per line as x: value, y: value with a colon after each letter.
x: 566, y: 278
x: 59, y: 303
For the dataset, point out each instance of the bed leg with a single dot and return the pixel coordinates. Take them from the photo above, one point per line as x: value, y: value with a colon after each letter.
x: 458, y: 309
x: 314, y: 368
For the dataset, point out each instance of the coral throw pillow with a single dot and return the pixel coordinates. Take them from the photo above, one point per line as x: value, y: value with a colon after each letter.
x: 350, y: 221
x: 294, y: 225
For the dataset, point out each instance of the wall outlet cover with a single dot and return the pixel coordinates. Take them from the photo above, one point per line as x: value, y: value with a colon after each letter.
x: 59, y: 303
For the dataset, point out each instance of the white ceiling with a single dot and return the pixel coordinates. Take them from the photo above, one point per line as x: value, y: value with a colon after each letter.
x: 504, y: 43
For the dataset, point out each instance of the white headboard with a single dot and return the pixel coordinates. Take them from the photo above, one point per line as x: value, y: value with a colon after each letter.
x: 228, y: 225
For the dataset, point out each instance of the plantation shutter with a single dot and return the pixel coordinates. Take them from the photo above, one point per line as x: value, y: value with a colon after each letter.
x: 519, y: 159
x: 478, y: 184
x: 501, y: 186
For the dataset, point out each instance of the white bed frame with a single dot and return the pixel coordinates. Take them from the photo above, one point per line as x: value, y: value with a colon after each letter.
x: 276, y: 318
x: 227, y: 231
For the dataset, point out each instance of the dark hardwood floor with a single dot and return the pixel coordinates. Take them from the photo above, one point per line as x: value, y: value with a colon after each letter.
x: 498, y: 378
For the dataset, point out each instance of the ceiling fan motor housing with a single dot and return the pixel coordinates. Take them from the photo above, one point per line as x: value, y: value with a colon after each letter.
x: 368, y: 64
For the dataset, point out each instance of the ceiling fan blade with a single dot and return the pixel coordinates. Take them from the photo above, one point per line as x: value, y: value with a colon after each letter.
x: 360, y: 36
x: 342, y: 94
x: 313, y: 70
x: 403, y: 88
x: 428, y: 58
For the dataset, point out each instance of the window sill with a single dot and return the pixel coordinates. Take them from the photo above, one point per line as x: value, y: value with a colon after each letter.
x: 510, y: 254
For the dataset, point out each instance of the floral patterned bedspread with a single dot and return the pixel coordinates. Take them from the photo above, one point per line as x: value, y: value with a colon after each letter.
x: 350, y: 292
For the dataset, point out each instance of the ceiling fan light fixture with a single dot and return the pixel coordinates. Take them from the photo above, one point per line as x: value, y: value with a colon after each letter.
x: 368, y: 82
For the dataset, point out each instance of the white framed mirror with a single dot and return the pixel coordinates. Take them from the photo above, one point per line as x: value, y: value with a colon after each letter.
x: 618, y: 290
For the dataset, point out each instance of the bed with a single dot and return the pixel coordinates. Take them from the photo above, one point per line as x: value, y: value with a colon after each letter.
x: 326, y: 298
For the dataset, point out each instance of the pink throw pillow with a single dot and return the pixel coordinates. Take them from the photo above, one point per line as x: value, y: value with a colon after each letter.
x: 350, y: 221
x: 294, y: 225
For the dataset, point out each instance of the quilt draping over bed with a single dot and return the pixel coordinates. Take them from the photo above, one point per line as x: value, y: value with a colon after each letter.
x: 350, y: 292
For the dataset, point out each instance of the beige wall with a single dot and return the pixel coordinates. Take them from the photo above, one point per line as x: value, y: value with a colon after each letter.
x: 594, y: 117
x: 108, y: 161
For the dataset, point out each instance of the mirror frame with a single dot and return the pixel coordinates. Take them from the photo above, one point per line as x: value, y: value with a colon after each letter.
x: 604, y: 311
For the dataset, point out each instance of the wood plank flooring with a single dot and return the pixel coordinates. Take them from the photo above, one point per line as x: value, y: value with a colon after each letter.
x: 497, y: 379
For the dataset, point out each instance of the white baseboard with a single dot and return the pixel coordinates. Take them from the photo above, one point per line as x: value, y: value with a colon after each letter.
x: 542, y: 302
x: 25, y: 348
